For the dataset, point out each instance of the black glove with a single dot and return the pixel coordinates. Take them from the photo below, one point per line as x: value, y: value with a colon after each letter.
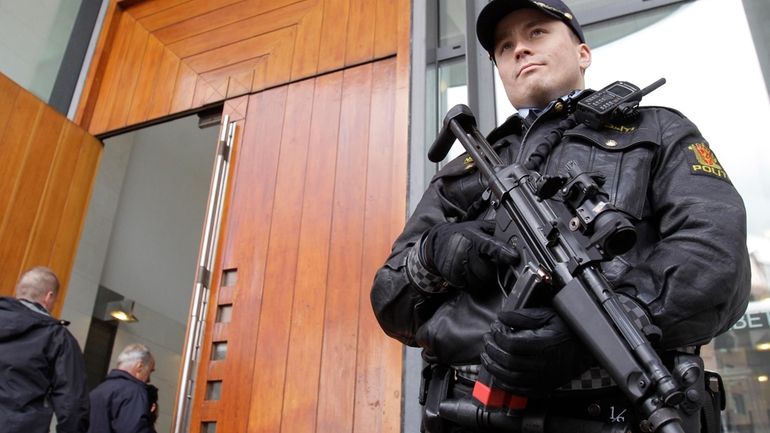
x: 530, y: 352
x: 466, y: 254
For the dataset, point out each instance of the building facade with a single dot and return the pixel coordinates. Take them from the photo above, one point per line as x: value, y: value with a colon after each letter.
x: 235, y: 171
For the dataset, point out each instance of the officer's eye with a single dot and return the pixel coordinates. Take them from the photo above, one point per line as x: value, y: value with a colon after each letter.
x: 536, y: 32
x: 504, y: 46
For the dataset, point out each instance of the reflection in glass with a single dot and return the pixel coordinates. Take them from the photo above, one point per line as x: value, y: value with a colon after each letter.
x: 33, y: 38
x: 605, y: 32
x: 224, y: 313
x: 451, y: 22
x: 219, y: 351
x: 431, y: 103
x: 229, y: 277
x: 213, y: 389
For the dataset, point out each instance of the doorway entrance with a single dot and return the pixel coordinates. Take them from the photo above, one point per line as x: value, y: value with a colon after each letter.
x: 139, y: 248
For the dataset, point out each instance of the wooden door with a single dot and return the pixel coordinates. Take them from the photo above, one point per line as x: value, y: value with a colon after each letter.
x: 46, y: 175
x: 317, y: 196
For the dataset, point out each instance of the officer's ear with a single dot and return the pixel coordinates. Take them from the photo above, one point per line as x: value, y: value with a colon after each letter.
x: 584, y: 56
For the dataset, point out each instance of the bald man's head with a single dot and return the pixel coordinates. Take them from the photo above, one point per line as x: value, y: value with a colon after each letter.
x: 40, y: 285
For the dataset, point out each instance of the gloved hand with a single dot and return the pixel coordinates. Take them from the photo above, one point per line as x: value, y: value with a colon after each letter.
x: 466, y: 254
x: 530, y: 352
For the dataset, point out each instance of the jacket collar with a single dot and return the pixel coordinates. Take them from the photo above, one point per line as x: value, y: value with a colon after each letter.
x: 34, y: 306
x: 117, y: 373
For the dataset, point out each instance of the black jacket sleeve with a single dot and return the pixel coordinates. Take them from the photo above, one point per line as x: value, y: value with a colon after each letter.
x: 69, y: 395
x: 400, y: 307
x: 695, y: 280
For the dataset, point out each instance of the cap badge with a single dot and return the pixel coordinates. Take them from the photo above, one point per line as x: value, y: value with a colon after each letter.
x: 553, y: 9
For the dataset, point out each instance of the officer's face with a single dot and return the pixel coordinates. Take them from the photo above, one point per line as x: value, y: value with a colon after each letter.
x: 538, y: 57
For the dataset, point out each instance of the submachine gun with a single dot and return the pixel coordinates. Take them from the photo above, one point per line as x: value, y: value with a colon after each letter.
x: 561, y: 243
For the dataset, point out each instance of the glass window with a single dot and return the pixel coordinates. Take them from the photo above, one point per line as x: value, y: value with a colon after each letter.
x: 758, y: 15
x: 451, y: 23
x: 33, y: 38
x: 608, y: 31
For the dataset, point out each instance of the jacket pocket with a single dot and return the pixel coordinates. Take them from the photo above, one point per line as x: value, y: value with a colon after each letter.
x: 624, y: 157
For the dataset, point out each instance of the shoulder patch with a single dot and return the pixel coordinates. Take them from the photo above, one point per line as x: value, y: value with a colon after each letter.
x: 702, y: 161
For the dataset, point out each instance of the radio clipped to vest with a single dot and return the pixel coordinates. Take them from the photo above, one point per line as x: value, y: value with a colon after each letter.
x: 615, y: 102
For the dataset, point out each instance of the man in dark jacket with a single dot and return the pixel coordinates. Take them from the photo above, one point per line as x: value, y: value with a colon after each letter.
x: 42, y: 371
x: 121, y: 403
x: 688, y: 274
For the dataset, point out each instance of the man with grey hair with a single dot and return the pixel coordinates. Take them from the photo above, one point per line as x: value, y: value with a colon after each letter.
x: 42, y: 371
x: 121, y: 403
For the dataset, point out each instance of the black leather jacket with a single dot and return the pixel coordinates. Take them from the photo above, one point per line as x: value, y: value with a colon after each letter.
x: 690, y: 266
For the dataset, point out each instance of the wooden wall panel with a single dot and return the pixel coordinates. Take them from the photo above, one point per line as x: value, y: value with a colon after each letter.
x: 47, y: 224
x: 145, y: 82
x: 338, y: 365
x: 36, y: 157
x: 109, y: 81
x: 385, y: 39
x: 45, y: 180
x: 176, y: 13
x: 266, y: 42
x: 299, y: 412
x: 281, y: 265
x: 165, y: 81
x: 127, y: 78
x: 360, y: 37
x: 375, y: 360
x: 144, y: 8
x: 331, y: 52
x: 308, y: 223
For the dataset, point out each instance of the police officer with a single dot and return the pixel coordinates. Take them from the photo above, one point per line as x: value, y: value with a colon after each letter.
x: 687, y: 276
x: 42, y: 370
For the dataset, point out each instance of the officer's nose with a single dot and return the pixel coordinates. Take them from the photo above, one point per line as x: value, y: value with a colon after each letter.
x: 521, y: 51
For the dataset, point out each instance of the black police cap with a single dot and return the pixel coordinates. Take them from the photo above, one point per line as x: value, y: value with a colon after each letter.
x: 496, y: 10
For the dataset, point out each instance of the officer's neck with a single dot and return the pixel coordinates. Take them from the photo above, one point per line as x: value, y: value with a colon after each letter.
x: 525, y: 112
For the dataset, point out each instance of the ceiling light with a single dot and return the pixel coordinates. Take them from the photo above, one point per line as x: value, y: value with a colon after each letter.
x: 122, y: 310
x: 763, y: 346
